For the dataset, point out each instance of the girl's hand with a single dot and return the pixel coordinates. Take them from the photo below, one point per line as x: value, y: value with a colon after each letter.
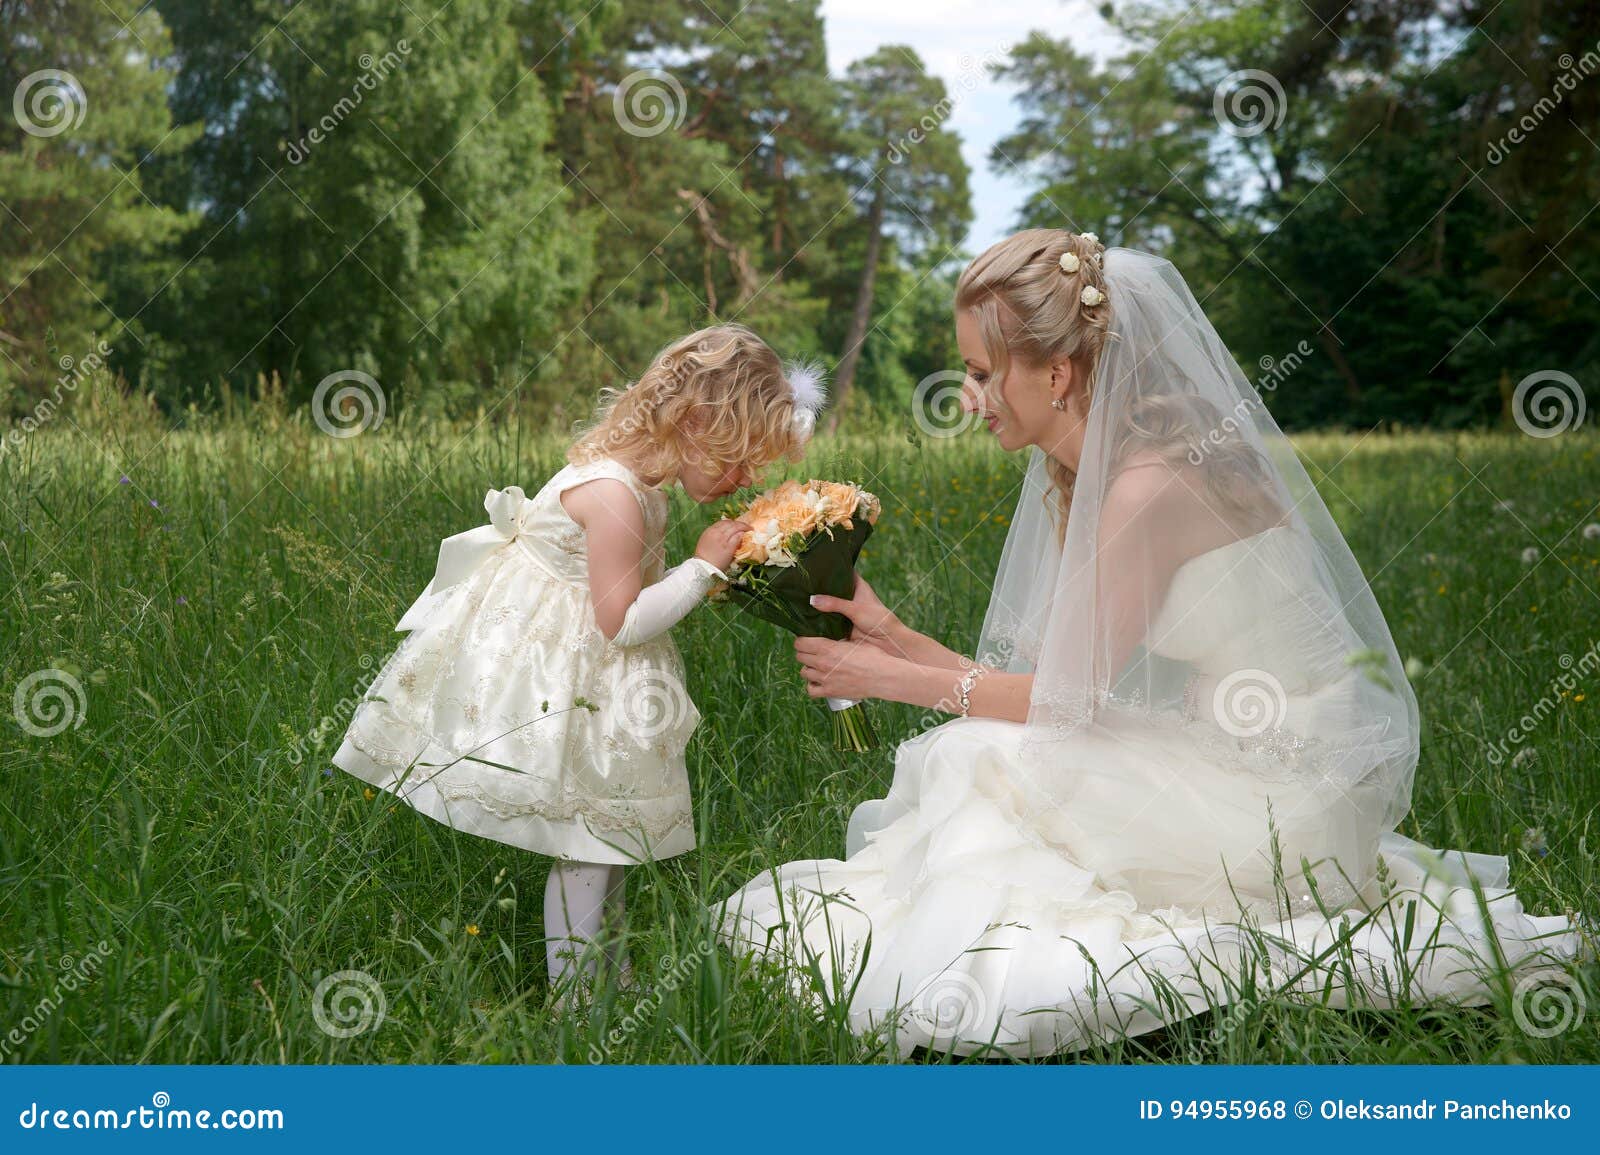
x: 718, y: 543
x: 852, y: 669
x: 874, y: 623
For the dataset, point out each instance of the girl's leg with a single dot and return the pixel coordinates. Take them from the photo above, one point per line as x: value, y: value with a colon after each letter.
x: 575, y: 903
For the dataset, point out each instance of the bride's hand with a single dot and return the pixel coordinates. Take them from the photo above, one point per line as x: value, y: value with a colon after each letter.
x: 853, y: 669
x: 872, y: 621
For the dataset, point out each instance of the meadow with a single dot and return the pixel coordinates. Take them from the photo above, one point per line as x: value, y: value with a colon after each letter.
x: 222, y: 591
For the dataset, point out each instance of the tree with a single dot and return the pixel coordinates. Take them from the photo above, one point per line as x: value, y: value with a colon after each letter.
x: 88, y: 82
x: 1318, y: 172
x: 375, y: 192
x: 699, y: 139
x: 911, y: 175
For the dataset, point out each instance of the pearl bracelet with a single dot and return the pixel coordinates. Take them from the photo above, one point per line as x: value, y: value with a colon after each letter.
x: 964, y: 687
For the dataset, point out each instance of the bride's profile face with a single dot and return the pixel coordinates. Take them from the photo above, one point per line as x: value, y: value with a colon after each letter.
x: 1017, y: 410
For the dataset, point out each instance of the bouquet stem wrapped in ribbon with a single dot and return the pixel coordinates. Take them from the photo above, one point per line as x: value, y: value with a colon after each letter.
x: 804, y: 539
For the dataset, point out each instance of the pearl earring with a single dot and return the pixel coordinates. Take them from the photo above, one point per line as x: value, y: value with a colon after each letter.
x: 1059, y: 403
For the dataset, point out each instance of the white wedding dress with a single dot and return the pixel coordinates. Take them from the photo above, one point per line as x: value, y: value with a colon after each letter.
x: 1220, y: 743
x: 987, y: 906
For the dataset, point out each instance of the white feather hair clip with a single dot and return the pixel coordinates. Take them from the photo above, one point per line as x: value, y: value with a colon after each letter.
x: 806, y: 380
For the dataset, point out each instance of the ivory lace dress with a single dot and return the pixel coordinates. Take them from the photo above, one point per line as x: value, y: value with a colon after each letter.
x: 506, y: 713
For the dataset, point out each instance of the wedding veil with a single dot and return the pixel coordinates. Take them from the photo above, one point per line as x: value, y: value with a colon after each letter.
x: 1199, y: 582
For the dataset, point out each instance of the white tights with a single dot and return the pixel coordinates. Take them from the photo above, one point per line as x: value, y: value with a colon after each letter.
x: 583, y: 901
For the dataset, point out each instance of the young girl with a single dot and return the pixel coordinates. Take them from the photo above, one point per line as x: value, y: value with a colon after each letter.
x: 538, y: 700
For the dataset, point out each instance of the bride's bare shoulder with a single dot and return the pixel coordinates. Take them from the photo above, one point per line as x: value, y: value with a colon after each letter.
x: 1144, y: 483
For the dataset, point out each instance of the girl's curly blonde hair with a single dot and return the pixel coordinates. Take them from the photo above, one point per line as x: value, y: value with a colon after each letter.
x: 717, y: 398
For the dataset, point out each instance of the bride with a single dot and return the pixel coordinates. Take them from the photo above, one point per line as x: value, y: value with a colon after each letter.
x: 1185, y: 743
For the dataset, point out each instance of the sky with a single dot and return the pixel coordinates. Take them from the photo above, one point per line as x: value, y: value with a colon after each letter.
x: 954, y: 38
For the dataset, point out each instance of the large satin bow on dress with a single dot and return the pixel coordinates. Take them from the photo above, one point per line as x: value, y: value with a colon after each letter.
x: 462, y: 553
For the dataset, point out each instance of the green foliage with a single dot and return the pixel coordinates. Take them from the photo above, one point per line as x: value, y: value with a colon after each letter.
x: 516, y: 202
x: 89, y: 81
x: 373, y: 197
x: 1327, y: 173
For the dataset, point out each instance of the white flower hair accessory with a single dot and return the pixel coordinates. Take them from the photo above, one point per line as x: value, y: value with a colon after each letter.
x: 1070, y: 262
x: 1091, y: 296
x: 806, y: 384
x: 1092, y: 238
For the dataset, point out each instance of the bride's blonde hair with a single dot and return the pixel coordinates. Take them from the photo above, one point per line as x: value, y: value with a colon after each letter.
x: 1027, y: 304
x: 717, y: 397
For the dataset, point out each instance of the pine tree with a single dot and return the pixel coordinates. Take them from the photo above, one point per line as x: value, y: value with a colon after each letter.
x: 87, y: 84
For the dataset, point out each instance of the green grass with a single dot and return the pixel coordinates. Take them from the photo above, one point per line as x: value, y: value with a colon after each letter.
x: 219, y: 605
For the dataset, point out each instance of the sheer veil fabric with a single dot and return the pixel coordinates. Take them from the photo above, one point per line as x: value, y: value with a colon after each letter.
x: 1203, y: 799
x: 1299, y: 682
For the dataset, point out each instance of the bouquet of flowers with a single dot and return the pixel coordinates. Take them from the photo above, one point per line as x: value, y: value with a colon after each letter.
x: 804, y: 539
